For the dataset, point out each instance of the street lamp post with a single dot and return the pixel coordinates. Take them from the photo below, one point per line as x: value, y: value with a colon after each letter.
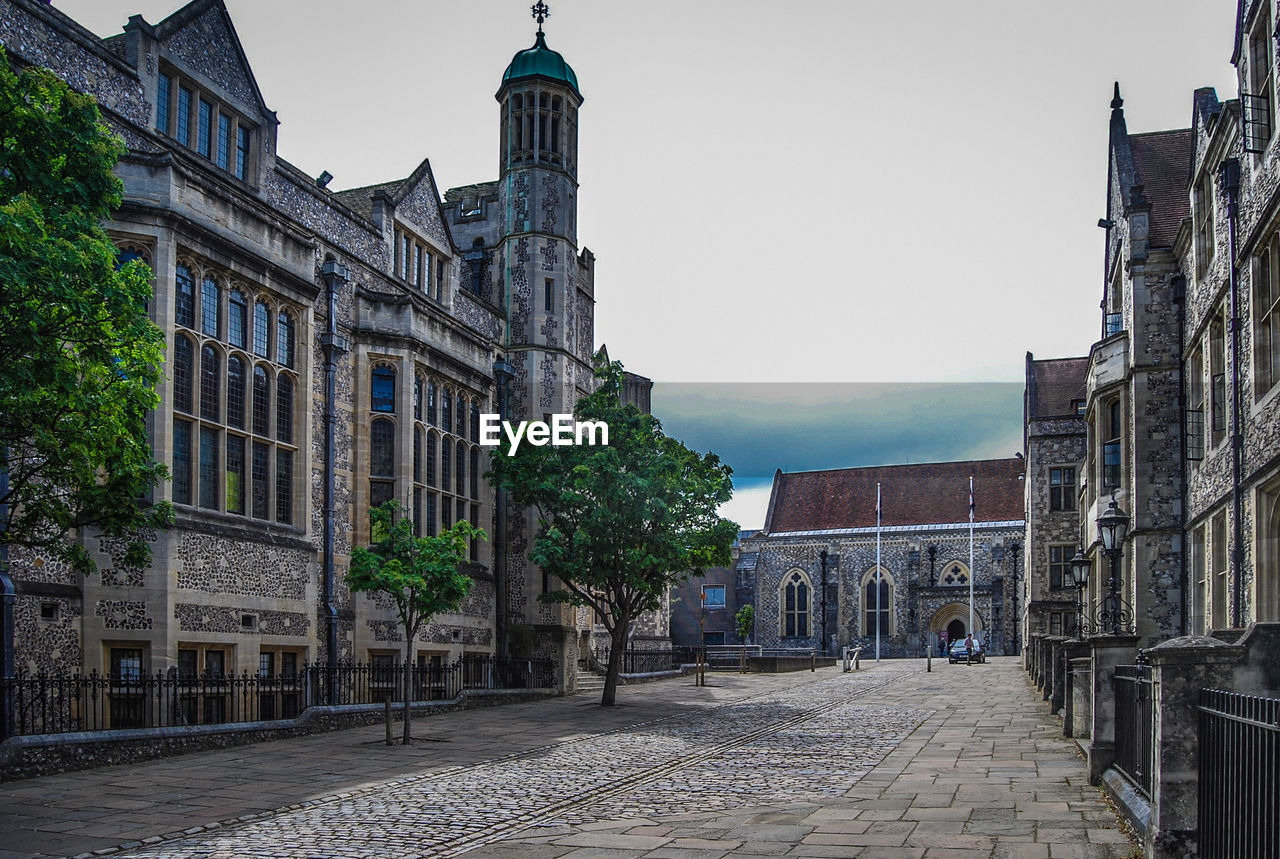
x: 1113, y: 527
x: 1080, y: 575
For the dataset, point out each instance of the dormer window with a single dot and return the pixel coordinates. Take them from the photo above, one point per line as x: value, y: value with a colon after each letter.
x: 412, y: 263
x: 183, y: 110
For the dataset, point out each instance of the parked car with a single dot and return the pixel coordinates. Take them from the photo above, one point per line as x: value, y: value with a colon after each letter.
x: 960, y: 653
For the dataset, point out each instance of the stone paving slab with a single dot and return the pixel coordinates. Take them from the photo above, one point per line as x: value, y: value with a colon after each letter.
x: 890, y: 761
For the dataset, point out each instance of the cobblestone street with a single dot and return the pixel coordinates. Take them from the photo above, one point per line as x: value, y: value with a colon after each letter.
x: 889, y: 761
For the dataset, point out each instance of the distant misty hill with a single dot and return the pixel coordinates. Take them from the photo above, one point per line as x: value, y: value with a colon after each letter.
x: 757, y: 428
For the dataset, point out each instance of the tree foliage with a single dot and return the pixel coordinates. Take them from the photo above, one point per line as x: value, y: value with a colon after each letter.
x: 746, y: 621
x: 79, y: 358
x: 619, y: 524
x: 421, y: 575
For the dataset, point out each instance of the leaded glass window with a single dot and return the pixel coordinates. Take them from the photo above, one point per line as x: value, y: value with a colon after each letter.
x: 209, y: 468
x: 237, y: 319
x: 284, y: 486
x: 383, y: 389
x: 261, y: 401
x: 210, y: 384
x: 183, y: 367
x: 235, y: 473
x: 284, y: 339
x: 382, y: 445
x: 235, y: 392
x: 284, y: 409
x: 185, y: 295
x: 261, y: 329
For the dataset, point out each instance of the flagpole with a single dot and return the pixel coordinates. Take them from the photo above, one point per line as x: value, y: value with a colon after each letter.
x: 971, y: 571
x: 877, y: 572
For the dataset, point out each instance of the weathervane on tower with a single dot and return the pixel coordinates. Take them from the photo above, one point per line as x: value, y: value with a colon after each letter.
x: 541, y: 11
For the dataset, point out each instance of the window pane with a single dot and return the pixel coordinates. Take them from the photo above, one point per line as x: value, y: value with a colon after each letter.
x: 261, y: 329
x: 446, y: 410
x: 261, y: 474
x: 224, y: 141
x: 429, y: 523
x: 446, y: 510
x: 382, y: 442
x: 284, y: 409
x: 210, y: 384
x: 184, y: 116
x: 183, y: 367
x: 242, y: 153
x: 204, y: 134
x: 446, y: 465
x: 235, y: 474
x: 238, y: 319
x: 235, y: 392
x: 181, y: 462
x: 417, y: 512
x: 209, y: 307
x: 185, y: 285
x: 284, y: 340
x: 460, y: 484
x: 475, y: 472
x: 162, y: 103
x: 284, y: 486
x: 417, y: 396
x: 462, y: 416
x: 209, y: 468
x: 431, y: 459
x: 261, y: 401
x: 417, y: 455
x: 431, y: 403
x: 383, y: 390
x: 475, y: 421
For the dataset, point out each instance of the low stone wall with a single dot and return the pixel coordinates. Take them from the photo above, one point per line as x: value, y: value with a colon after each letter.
x: 780, y: 664
x: 45, y: 754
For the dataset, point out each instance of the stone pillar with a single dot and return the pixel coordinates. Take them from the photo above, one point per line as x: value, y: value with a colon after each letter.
x: 1072, y: 649
x: 1057, y: 682
x: 1033, y: 654
x: 1081, y: 698
x: 1108, y: 652
x: 1181, y: 667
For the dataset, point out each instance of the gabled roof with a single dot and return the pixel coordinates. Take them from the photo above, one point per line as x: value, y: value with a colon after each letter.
x: 426, y: 210
x: 1054, y: 384
x: 933, y: 493
x: 1162, y: 160
x: 201, y: 34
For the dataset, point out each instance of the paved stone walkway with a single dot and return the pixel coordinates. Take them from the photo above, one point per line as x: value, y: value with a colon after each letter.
x: 889, y: 761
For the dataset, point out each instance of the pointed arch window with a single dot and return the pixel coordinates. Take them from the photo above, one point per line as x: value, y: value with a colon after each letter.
x: 184, y: 360
x: 446, y: 410
x: 235, y: 392
x: 261, y: 401
x: 417, y: 396
x: 284, y: 339
x: 284, y: 409
x: 185, y: 305
x: 431, y: 459
x: 795, y: 605
x: 210, y: 384
x: 209, y: 307
x: 237, y: 319
x: 877, y: 610
x: 446, y: 464
x: 431, y: 403
x: 460, y: 465
x: 417, y: 454
x: 261, y: 329
x: 383, y: 389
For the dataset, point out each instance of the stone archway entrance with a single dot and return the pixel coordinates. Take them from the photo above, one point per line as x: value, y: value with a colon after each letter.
x: 955, y: 630
x: 951, y: 622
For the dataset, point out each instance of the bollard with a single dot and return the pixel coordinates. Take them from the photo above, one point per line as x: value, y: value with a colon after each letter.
x: 928, y: 659
x: 857, y: 659
x: 813, y: 662
x: 387, y: 701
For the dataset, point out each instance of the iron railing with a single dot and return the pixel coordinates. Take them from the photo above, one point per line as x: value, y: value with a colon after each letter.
x: 1258, y: 124
x: 60, y: 703
x: 1239, y: 797
x: 1135, y: 725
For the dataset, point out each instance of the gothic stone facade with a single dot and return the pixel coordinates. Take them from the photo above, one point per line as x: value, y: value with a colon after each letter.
x: 436, y: 293
x: 925, y: 569
x: 1055, y: 439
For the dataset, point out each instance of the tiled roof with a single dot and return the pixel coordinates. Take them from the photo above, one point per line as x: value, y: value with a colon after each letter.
x: 361, y: 199
x: 1054, y: 384
x: 926, y: 494
x: 1163, y: 162
x: 747, y: 561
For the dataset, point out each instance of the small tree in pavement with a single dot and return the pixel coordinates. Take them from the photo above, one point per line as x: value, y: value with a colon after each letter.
x: 420, y: 574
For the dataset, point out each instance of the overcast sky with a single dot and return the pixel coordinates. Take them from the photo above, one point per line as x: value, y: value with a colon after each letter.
x: 832, y: 190
x: 850, y: 191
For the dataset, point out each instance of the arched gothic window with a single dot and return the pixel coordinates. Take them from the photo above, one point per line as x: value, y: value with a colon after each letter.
x: 795, y: 605
x: 237, y: 319
x: 261, y: 329
x: 210, y: 384
x: 383, y: 389
x: 881, y: 617
x: 209, y: 307
x: 284, y: 339
x: 235, y: 392
x: 431, y: 403
x: 184, y: 360
x: 185, y: 310
x: 261, y: 401
x: 955, y: 573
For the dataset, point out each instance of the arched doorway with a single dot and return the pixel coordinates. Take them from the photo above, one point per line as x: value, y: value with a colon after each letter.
x: 950, y: 623
x: 955, y: 630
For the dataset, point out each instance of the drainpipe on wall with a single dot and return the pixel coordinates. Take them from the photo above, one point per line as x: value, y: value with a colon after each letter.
x: 335, y: 276
x: 1229, y: 179
x: 1180, y: 299
x: 503, y: 373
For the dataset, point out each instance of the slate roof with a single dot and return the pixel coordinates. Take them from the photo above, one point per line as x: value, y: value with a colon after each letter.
x: 1053, y: 384
x: 1163, y: 162
x: 932, y: 493
x: 747, y: 560
x: 361, y: 199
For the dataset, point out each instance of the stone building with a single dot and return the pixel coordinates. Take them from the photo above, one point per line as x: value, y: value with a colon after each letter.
x: 925, y: 564
x: 1055, y: 439
x: 704, y: 609
x: 328, y: 351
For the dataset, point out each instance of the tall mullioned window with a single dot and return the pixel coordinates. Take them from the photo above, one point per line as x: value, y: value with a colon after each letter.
x: 795, y: 605
x: 446, y: 464
x: 1062, y: 488
x: 1266, y: 318
x: 220, y: 134
x: 234, y: 413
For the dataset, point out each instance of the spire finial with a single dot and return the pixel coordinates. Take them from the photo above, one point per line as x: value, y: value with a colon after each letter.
x: 1117, y: 102
x: 541, y: 12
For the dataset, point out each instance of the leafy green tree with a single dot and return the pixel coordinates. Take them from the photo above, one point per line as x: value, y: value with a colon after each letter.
x: 746, y: 621
x: 420, y: 574
x: 79, y: 359
x: 619, y: 524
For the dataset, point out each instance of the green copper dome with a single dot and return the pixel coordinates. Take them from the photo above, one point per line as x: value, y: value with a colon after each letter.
x: 540, y: 62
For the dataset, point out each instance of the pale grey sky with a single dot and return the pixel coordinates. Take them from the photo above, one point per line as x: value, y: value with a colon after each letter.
x: 828, y: 190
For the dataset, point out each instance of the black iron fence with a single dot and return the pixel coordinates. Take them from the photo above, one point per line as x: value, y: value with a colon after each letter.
x: 1135, y: 725
x: 1239, y: 798
x: 56, y: 704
